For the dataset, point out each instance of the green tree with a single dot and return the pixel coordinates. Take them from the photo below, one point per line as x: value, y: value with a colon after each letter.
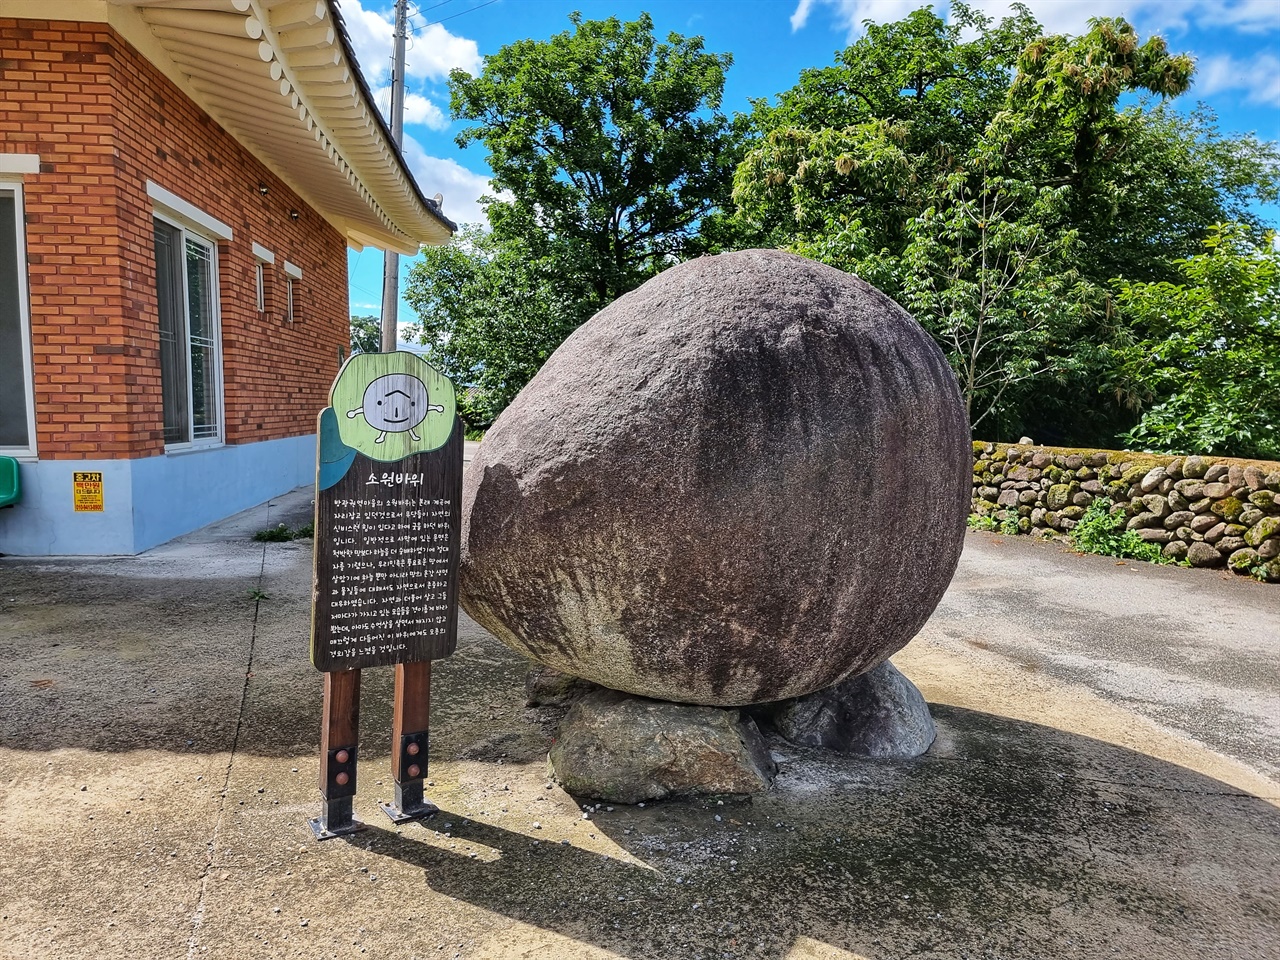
x: 1000, y: 293
x: 986, y: 176
x: 366, y: 334
x: 1205, y: 366
x: 609, y: 144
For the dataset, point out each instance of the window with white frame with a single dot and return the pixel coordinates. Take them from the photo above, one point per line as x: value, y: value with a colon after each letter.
x: 190, y: 328
x: 17, y: 414
x: 291, y: 273
x: 262, y: 258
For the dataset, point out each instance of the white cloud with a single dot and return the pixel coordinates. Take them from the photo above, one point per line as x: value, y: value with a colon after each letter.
x: 1067, y: 16
x: 1257, y: 76
x: 1247, y: 16
x: 461, y: 187
x: 801, y: 15
x: 848, y: 15
x: 417, y: 109
x: 431, y: 52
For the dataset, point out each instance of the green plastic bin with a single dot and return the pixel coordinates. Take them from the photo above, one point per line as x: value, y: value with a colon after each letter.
x: 10, y: 484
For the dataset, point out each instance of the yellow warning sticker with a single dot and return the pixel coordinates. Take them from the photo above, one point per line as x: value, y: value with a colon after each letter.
x: 86, y: 491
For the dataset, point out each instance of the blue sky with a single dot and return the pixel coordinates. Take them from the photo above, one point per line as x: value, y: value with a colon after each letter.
x: 1236, y: 44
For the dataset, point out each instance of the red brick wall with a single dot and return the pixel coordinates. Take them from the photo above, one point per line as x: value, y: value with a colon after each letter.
x: 104, y: 122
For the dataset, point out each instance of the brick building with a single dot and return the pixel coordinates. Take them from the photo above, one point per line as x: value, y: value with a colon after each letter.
x: 179, y: 183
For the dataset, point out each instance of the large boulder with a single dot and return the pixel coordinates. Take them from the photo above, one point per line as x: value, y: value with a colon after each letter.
x: 742, y: 482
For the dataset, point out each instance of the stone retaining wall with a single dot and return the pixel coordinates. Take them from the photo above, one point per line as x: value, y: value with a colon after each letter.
x: 1209, y: 511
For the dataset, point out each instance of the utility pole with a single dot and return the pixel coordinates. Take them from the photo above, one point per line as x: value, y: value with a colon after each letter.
x: 390, y: 259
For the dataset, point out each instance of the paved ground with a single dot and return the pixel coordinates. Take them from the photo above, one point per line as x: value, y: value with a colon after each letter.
x: 1104, y: 784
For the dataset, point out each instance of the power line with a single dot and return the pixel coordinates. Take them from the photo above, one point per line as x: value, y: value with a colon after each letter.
x: 427, y: 23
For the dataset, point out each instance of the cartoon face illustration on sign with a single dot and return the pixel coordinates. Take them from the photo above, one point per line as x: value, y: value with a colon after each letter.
x: 387, y: 406
x: 395, y: 403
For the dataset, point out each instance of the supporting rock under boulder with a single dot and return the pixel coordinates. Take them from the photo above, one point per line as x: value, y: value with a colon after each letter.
x: 876, y: 714
x: 623, y: 748
x: 545, y: 687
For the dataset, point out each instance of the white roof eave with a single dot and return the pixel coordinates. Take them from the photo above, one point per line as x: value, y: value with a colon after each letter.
x: 277, y: 76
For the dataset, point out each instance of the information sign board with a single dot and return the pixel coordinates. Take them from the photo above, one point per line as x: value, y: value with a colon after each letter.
x: 388, y: 516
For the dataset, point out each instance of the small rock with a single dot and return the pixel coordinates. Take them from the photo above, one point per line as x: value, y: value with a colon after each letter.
x: 1269, y: 549
x: 1153, y: 479
x: 879, y: 713
x: 1203, y: 555
x: 1228, y: 508
x: 1242, y: 560
x: 545, y: 687
x: 1214, y: 473
x: 1250, y: 515
x: 1263, y: 529
x: 1178, y: 519
x: 1175, y: 549
x: 1144, y: 520
x: 1058, y: 496
x: 1229, y: 545
x: 1253, y: 477
x: 1204, y: 522
x: 1156, y: 504
x: 626, y: 748
x: 1194, y: 467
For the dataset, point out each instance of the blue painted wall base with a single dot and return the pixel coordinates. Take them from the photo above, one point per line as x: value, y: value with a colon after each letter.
x: 149, y: 501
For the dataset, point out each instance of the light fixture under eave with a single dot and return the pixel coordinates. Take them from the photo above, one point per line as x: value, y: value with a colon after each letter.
x: 293, y: 214
x: 262, y: 189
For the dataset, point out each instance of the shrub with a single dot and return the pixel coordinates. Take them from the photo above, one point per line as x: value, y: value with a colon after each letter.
x: 1101, y: 533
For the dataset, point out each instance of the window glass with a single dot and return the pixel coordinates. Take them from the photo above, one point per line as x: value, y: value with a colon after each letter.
x: 14, y: 390
x: 186, y: 284
x: 203, y: 334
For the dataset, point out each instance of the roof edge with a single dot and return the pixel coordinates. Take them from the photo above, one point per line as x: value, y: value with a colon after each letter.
x: 348, y: 50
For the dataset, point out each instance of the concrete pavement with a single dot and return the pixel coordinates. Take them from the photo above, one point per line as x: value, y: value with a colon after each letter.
x: 1103, y: 784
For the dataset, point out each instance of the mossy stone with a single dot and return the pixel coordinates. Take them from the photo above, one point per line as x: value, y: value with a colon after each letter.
x: 1242, y: 561
x: 1228, y: 508
x: 1135, y: 473
x: 1264, y: 528
x: 1058, y: 496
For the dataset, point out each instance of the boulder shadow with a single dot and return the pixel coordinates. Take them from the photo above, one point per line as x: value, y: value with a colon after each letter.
x: 1010, y: 839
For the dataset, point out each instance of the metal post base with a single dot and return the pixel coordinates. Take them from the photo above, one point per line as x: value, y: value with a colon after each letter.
x: 409, y: 804
x: 335, y: 820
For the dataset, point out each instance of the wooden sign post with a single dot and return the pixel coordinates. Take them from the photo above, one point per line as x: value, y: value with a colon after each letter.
x: 388, y: 531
